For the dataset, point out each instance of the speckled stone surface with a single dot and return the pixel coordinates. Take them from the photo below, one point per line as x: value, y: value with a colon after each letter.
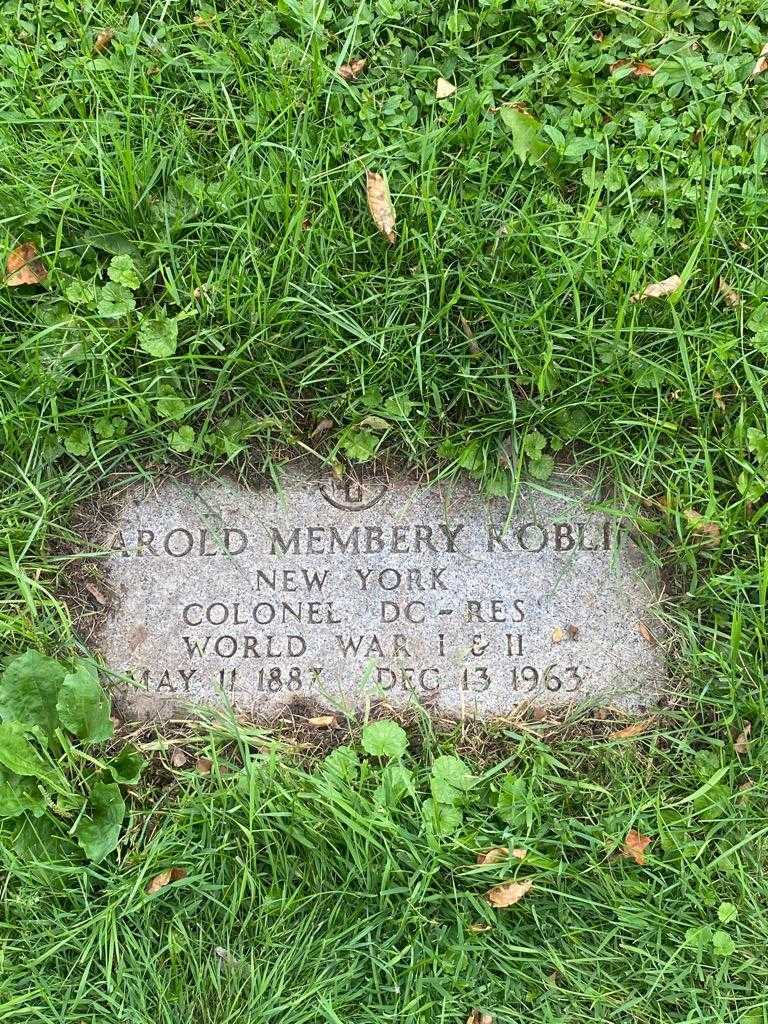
x: 345, y: 591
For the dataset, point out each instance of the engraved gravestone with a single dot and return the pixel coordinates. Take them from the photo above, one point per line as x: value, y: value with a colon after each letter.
x: 383, y: 588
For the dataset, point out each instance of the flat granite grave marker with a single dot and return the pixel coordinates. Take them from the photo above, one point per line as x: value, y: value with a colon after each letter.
x: 342, y: 591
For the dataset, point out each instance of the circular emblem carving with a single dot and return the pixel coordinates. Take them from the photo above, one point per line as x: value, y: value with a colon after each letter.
x: 352, y: 495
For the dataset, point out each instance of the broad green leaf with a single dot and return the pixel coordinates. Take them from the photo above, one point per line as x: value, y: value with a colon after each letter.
x: 396, y: 783
x: 441, y: 819
x: 722, y: 943
x: 127, y: 766
x: 84, y: 707
x: 171, y: 407
x: 182, y: 440
x: 450, y: 780
x: 384, y: 739
x: 341, y: 765
x: 98, y: 831
x: 122, y: 271
x: 158, y: 335
x: 78, y: 441
x: 541, y: 468
x: 727, y: 912
x: 115, y: 301
x: 20, y: 756
x: 29, y: 690
x: 359, y: 444
x: 19, y: 794
x: 534, y: 444
x: 512, y: 802
x: 527, y: 142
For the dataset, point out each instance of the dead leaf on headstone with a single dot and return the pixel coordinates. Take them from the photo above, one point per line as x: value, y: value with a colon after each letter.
x: 103, y: 39
x: 634, y: 846
x: 730, y: 295
x: 658, y: 289
x: 24, y: 266
x: 479, y: 1017
x: 508, y: 893
x: 204, y: 765
x: 630, y: 731
x: 573, y: 632
x: 707, y: 532
x: 762, y: 63
x: 741, y: 745
x: 323, y: 722
x: 380, y: 204
x: 444, y: 89
x: 165, y: 878
x: 639, y: 68
x: 352, y: 71
x: 558, y: 635
x: 178, y: 757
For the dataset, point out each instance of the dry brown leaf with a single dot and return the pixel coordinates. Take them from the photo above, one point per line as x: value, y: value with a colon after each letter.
x: 380, y: 204
x: 204, y: 765
x: 494, y: 855
x: 98, y: 595
x: 23, y: 266
x: 645, y: 633
x: 707, y: 532
x: 323, y: 722
x: 508, y: 893
x: 762, y: 63
x: 741, y: 746
x: 444, y: 89
x: 717, y: 395
x: 178, y: 757
x: 639, y: 68
x: 634, y: 846
x: 103, y: 40
x: 730, y: 295
x: 165, y: 878
x: 352, y: 71
x: 479, y: 1017
x: 658, y: 289
x: 322, y: 428
x: 558, y: 635
x: 479, y: 927
x: 573, y: 632
x: 628, y: 733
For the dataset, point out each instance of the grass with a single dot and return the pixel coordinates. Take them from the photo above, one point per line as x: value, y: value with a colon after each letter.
x: 219, y: 151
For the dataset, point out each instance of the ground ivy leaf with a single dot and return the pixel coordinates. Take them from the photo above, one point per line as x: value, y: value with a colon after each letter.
x: 98, y: 831
x: 115, y: 301
x: 84, y: 707
x: 441, y: 819
x: 384, y: 739
x: 29, y: 690
x: 122, y: 271
x: 127, y: 766
x: 158, y: 335
x: 450, y: 780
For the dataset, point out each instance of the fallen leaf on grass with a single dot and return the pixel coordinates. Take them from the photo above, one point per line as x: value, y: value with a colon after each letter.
x: 479, y: 1017
x: 634, y: 846
x: 658, y: 289
x: 741, y: 746
x: 380, y: 204
x: 352, y: 71
x: 707, y: 532
x: 103, y: 40
x: 628, y: 733
x: 178, y: 757
x: 164, y: 878
x: 639, y: 68
x: 478, y: 927
x: 23, y: 266
x: 494, y: 855
x: 323, y: 721
x: 444, y: 89
x: 762, y: 63
x: 508, y: 893
x: 730, y: 295
x: 322, y: 428
x: 204, y: 765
